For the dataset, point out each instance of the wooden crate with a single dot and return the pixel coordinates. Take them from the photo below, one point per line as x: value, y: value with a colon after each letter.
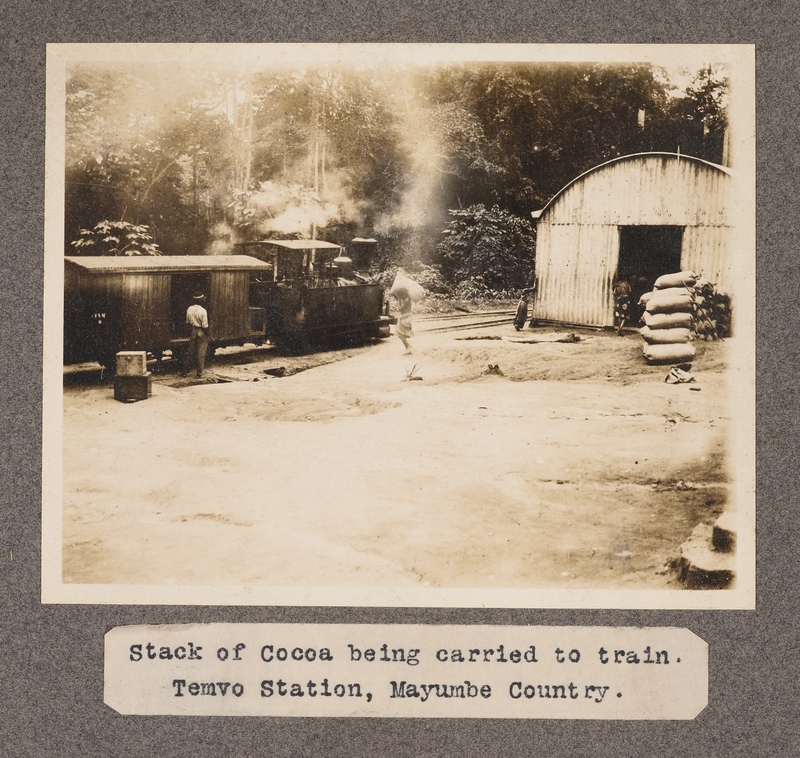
x: 128, y: 389
x: 131, y: 363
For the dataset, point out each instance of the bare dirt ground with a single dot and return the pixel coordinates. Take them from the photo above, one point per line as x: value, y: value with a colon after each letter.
x: 577, y: 466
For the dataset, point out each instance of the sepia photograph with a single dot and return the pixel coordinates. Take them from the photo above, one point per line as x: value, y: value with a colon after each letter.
x: 400, y: 325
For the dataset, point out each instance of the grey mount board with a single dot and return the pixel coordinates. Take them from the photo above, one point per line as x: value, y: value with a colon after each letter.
x: 52, y: 663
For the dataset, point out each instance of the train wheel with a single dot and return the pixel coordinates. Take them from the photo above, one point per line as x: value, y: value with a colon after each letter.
x: 284, y: 345
x: 159, y: 356
x: 179, y: 357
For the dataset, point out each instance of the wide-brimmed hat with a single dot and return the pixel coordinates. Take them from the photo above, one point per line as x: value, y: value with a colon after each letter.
x: 198, y: 295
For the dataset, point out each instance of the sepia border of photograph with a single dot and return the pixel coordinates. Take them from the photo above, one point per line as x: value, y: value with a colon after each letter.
x: 740, y: 60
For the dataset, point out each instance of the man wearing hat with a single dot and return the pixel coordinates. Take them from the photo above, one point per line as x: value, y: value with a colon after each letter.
x: 197, y: 319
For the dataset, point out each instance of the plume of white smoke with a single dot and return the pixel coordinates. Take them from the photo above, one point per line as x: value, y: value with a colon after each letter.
x: 295, y: 209
x: 221, y: 242
x: 149, y: 108
x: 421, y: 203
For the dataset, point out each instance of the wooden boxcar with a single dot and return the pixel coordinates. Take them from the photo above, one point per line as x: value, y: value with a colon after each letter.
x: 311, y: 295
x: 139, y: 303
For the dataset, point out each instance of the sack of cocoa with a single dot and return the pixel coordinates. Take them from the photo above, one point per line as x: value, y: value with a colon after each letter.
x: 665, y: 336
x: 683, y: 353
x: 681, y: 279
x: 678, y: 320
x: 670, y: 300
x: 404, y: 282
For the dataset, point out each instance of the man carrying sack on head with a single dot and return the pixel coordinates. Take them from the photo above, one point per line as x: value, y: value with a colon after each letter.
x: 197, y: 320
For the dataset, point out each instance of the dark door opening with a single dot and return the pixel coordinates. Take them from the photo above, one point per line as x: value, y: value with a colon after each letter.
x: 182, y: 289
x: 647, y: 252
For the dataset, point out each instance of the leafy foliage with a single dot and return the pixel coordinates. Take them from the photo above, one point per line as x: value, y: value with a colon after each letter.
x: 702, y: 115
x: 206, y: 156
x: 115, y: 238
x: 330, y: 137
x: 513, y: 135
x: 712, y: 314
x: 430, y: 277
x: 487, y: 251
x: 149, y: 149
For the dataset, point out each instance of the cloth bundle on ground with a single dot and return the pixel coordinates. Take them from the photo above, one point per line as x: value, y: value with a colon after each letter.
x: 674, y: 336
x: 678, y: 375
x: 403, y: 282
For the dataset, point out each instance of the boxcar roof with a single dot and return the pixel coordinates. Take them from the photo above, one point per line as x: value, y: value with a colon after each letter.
x: 294, y: 244
x: 166, y: 264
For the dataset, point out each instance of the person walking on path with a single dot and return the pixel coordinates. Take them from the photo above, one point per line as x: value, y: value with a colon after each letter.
x: 199, y: 336
x: 404, y: 329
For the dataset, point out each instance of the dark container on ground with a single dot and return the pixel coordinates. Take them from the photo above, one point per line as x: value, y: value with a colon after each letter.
x: 128, y: 389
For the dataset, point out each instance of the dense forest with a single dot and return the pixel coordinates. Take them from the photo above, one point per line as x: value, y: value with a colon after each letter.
x: 441, y: 164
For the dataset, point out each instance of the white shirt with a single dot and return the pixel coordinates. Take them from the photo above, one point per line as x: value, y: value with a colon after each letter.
x: 197, y: 316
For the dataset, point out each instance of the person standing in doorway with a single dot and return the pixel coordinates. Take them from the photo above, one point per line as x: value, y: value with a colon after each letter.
x: 521, y: 315
x: 199, y: 336
x: 622, y: 304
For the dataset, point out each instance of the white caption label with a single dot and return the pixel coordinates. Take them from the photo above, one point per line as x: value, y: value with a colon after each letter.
x: 408, y: 671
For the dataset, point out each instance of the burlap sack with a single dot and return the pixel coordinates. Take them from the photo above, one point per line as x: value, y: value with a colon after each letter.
x: 670, y: 300
x: 665, y: 336
x: 403, y: 282
x: 683, y: 353
x: 681, y: 279
x: 678, y: 320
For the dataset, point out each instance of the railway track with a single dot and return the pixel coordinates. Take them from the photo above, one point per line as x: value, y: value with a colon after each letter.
x: 427, y: 324
x: 463, y: 321
x: 460, y: 315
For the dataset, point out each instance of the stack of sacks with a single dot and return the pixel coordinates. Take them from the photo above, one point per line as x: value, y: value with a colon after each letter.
x: 668, y: 319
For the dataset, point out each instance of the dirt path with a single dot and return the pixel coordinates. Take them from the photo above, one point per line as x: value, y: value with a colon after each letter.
x: 577, y: 468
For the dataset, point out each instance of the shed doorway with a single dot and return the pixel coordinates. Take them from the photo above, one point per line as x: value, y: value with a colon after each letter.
x: 647, y: 252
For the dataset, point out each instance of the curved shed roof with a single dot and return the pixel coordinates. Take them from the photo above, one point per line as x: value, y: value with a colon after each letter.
x: 676, y: 157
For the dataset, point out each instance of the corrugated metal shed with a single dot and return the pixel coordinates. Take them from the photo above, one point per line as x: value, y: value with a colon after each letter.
x: 579, y: 231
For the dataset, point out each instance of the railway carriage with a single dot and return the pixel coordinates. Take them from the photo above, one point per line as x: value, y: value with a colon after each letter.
x: 299, y: 294
x: 139, y: 303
